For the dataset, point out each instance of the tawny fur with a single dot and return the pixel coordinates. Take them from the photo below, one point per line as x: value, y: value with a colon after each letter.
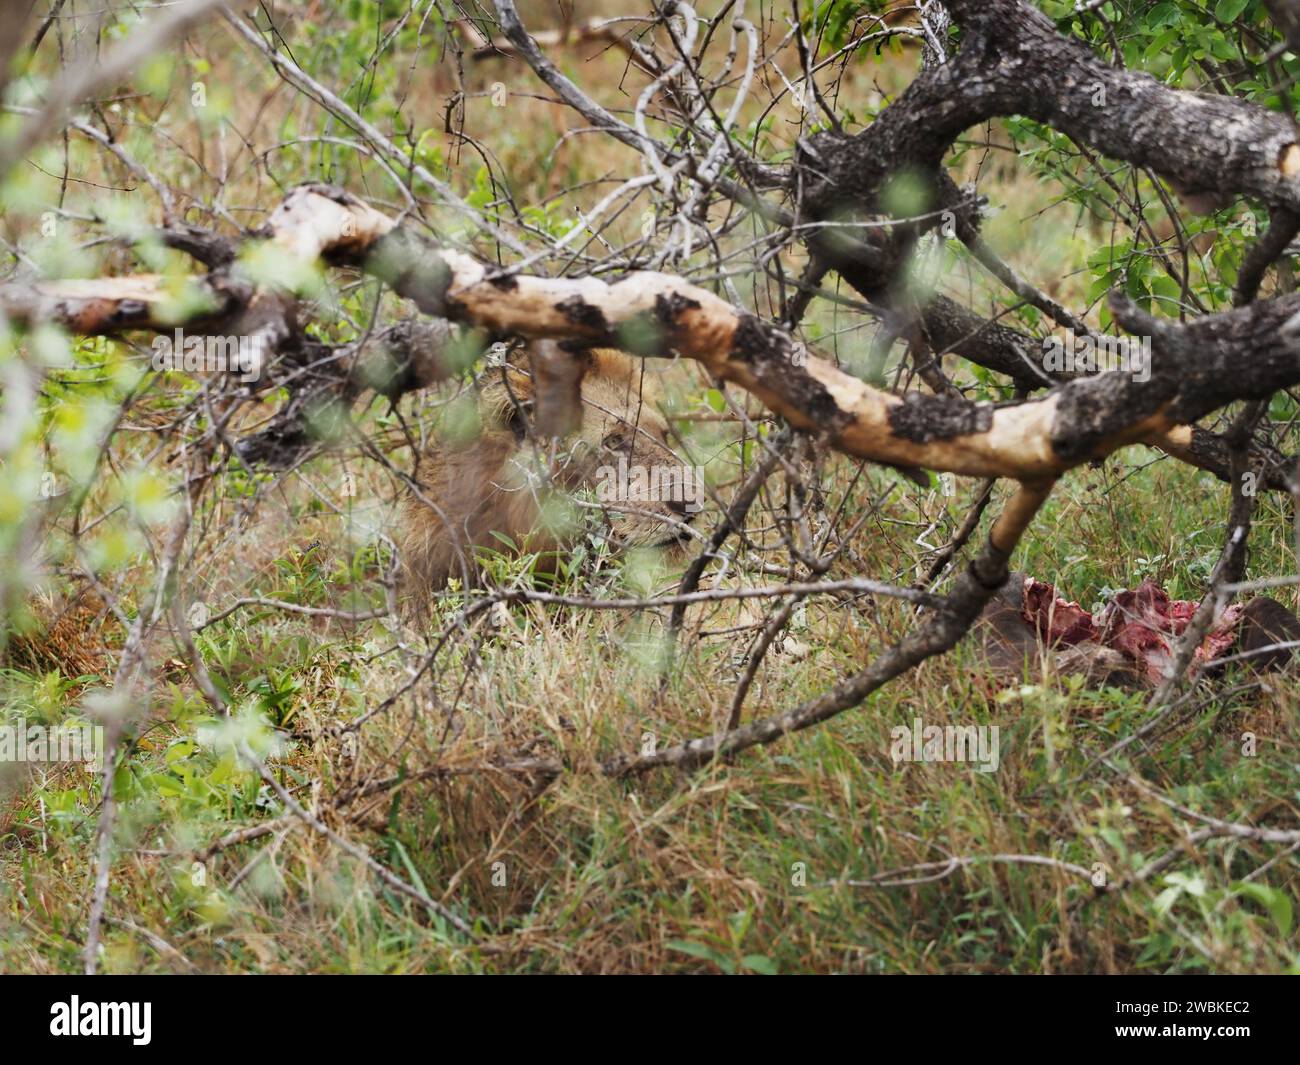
x: 477, y: 492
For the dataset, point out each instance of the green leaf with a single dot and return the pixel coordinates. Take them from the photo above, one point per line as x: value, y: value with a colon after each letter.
x: 1164, y: 902
x: 704, y: 952
x: 1276, y: 901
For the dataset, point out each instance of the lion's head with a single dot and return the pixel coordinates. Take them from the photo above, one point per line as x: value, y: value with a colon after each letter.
x: 492, y: 491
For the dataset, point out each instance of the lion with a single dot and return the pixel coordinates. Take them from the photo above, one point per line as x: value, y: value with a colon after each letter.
x: 490, y: 493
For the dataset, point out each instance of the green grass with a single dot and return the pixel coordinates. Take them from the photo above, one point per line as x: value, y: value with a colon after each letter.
x: 747, y: 866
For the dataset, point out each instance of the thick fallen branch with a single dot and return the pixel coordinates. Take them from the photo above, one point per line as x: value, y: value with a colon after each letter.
x: 1012, y: 61
x: 1009, y: 61
x: 1242, y: 354
x: 1210, y: 452
x: 1003, y: 44
x: 1196, y: 369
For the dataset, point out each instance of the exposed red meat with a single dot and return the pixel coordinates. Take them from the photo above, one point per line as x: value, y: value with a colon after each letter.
x: 1143, y: 624
x: 1056, y: 620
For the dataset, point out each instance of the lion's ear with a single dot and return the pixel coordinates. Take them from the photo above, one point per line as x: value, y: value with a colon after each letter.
x: 614, y: 364
x: 630, y: 374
